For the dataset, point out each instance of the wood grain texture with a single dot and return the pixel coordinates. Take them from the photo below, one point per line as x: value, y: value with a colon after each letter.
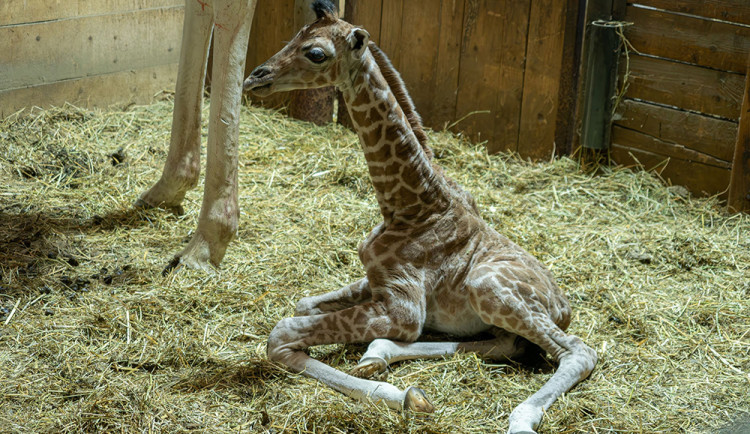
x: 94, y: 45
x: 536, y: 136
x: 698, y: 41
x: 417, y: 49
x: 391, y: 27
x: 708, y: 135
x: 119, y: 88
x: 685, y: 86
x: 739, y: 185
x: 491, y: 74
x: 442, y: 100
x: 367, y: 14
x: 638, y: 140
x: 737, y: 11
x: 700, y: 179
x: 14, y: 12
x: 568, y: 89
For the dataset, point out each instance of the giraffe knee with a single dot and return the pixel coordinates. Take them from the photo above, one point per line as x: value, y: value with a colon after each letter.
x: 278, y: 347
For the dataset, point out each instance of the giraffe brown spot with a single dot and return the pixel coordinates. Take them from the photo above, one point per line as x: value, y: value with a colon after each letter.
x: 488, y: 306
x: 406, y: 197
x: 363, y: 97
x: 375, y: 115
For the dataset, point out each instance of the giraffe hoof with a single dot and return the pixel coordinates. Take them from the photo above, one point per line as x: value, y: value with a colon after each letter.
x: 417, y: 401
x: 369, y: 367
x: 172, y: 267
x: 177, y: 210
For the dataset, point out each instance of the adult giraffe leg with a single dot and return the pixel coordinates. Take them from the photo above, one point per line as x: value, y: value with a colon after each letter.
x: 182, y: 167
x: 361, y: 323
x: 219, y: 215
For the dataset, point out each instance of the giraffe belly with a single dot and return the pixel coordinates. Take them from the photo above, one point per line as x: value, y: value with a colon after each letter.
x: 451, y: 315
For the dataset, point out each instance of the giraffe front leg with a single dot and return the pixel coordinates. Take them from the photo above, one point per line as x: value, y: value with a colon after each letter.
x: 219, y: 215
x: 182, y: 167
x: 348, y: 296
x: 361, y: 323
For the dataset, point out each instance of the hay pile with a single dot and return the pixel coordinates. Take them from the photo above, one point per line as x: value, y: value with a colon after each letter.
x: 93, y: 338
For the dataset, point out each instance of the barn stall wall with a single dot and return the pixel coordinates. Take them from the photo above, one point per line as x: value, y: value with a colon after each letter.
x: 493, y: 68
x: 89, y: 53
x: 686, y: 81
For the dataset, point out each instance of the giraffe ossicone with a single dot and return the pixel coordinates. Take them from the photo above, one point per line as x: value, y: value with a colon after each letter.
x: 432, y: 264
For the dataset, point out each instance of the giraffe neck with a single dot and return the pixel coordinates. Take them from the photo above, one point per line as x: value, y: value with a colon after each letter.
x: 406, y: 184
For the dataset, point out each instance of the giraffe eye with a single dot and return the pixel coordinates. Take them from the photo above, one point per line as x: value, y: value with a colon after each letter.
x: 316, y: 55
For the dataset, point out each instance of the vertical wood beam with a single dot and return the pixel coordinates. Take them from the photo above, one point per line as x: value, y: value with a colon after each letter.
x: 593, y: 10
x: 739, y: 181
x: 600, y: 82
x: 541, y: 84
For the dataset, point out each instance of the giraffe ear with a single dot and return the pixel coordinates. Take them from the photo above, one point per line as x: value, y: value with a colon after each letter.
x: 358, y: 39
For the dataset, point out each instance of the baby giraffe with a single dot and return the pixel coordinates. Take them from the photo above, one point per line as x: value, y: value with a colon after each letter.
x: 432, y: 264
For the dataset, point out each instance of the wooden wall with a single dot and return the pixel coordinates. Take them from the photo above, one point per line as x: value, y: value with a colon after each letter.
x: 495, y: 65
x: 90, y: 53
x: 685, y: 88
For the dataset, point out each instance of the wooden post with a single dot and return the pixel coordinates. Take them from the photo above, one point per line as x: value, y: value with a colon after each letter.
x: 591, y: 11
x: 599, y: 85
x: 312, y: 105
x: 739, y: 181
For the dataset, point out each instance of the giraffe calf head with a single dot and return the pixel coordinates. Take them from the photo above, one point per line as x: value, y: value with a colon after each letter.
x: 324, y: 53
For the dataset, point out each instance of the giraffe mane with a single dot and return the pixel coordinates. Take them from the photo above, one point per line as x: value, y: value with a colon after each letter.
x: 398, y: 87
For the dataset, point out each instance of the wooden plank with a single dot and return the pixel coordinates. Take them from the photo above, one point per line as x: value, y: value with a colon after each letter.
x: 35, y: 11
x: 536, y: 136
x: 704, y: 134
x: 366, y: 14
x: 443, y: 99
x: 638, y: 140
x: 32, y: 54
x: 391, y: 25
x: 121, y: 88
x: 739, y: 185
x: 700, y: 179
x: 418, y: 61
x: 273, y: 27
x: 491, y: 72
x: 685, y: 86
x: 568, y: 89
x: 737, y: 11
x: 702, y: 42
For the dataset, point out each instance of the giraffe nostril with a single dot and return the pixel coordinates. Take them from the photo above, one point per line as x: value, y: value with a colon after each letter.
x: 260, y: 72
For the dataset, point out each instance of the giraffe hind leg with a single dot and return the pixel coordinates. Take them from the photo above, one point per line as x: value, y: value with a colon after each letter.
x: 382, y: 352
x: 517, y: 311
x: 360, y: 323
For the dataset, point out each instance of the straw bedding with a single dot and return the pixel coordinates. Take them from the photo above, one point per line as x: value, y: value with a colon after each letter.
x: 94, y: 338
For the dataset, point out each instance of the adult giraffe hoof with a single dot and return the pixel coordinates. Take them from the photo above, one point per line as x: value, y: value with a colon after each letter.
x: 417, y: 401
x: 177, y: 210
x: 369, y: 367
x: 172, y: 267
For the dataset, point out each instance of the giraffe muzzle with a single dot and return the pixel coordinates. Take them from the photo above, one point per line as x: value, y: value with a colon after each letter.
x: 259, y: 82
